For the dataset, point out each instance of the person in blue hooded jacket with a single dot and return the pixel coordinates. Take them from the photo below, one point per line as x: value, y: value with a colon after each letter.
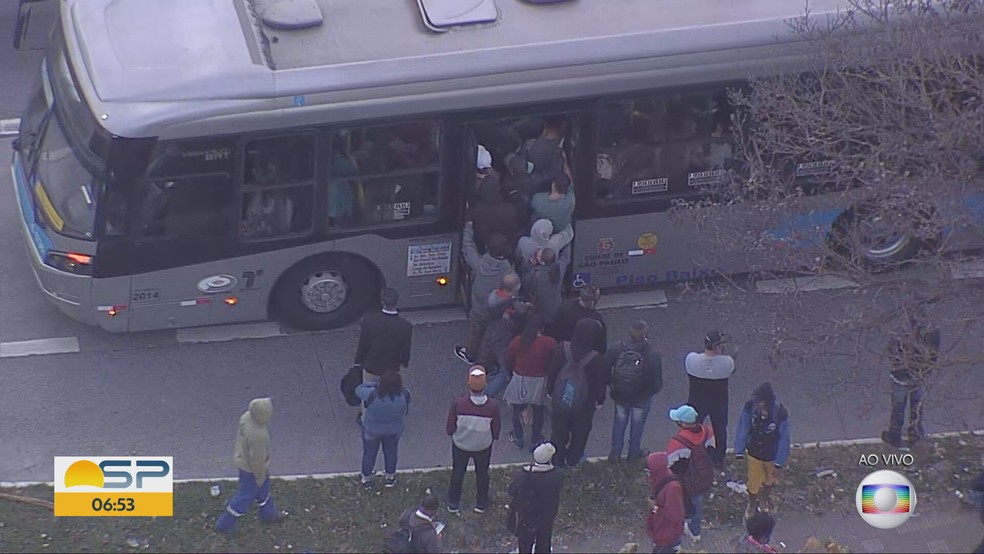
x: 762, y: 434
x: 387, y: 403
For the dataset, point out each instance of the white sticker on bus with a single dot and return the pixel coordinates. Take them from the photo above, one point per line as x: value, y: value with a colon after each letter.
x: 703, y: 178
x: 649, y: 186
x: 428, y: 259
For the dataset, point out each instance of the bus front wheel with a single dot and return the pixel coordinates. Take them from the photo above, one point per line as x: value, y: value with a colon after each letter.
x: 324, y: 292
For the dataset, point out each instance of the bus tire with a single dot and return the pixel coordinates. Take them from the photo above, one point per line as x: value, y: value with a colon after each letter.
x: 324, y: 292
x: 892, y: 252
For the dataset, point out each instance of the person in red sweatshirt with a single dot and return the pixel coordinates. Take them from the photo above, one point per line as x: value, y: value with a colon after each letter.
x: 664, y: 520
x: 688, y: 455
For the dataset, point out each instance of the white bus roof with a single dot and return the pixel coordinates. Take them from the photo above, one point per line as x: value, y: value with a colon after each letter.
x: 204, y: 51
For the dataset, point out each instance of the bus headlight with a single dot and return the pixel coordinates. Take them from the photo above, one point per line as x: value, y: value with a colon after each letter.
x: 72, y: 262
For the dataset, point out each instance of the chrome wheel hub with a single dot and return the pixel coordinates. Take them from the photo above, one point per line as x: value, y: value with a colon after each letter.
x: 324, y: 292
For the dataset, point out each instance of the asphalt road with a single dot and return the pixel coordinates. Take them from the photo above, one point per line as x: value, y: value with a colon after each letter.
x: 151, y: 394
x: 17, y: 68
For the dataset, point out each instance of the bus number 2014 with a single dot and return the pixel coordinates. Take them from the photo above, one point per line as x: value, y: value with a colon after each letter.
x: 145, y: 295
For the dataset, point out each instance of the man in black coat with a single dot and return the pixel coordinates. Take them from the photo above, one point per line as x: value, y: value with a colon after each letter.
x: 384, y: 341
x: 493, y: 214
x: 535, y: 492
x: 574, y: 310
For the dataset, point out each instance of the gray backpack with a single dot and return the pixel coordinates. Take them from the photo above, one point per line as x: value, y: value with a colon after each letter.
x: 571, y: 389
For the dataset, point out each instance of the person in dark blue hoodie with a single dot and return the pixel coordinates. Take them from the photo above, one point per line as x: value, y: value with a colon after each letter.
x: 763, y: 433
x: 387, y: 404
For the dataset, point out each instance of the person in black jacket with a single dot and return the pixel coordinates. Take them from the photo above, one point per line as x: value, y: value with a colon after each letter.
x: 634, y: 380
x: 384, y: 341
x: 535, y: 492
x: 574, y: 310
x: 573, y: 410
x: 493, y: 214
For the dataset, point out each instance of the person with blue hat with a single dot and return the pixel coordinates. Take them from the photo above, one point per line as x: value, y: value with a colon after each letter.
x: 688, y: 457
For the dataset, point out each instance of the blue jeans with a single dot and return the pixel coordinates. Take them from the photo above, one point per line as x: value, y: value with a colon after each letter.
x: 370, y: 448
x: 498, y: 381
x: 902, y: 396
x: 247, y: 492
x: 694, y: 509
x: 639, y: 414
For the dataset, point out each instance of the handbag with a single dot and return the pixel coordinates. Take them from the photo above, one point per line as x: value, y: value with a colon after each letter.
x: 351, y: 381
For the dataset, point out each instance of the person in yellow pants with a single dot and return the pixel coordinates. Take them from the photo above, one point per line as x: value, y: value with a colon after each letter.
x: 762, y: 437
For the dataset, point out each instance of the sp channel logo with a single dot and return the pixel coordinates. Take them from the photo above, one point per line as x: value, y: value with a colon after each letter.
x: 114, y: 486
x: 885, y: 499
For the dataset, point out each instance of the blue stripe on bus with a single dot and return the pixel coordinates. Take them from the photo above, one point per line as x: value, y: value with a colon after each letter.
x: 806, y: 230
x: 42, y: 244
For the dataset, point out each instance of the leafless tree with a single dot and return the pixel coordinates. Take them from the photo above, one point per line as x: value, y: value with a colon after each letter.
x: 885, y: 117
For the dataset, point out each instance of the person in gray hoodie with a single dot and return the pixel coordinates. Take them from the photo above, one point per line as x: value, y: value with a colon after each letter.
x: 544, y: 285
x: 487, y: 271
x: 542, y: 236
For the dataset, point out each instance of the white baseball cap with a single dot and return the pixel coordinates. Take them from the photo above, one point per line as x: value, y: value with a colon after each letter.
x: 484, y: 159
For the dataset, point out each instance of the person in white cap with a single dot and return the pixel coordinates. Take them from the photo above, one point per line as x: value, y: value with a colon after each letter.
x: 473, y: 425
x: 535, y: 492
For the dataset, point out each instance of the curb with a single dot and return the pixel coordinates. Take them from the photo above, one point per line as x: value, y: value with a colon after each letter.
x: 593, y: 459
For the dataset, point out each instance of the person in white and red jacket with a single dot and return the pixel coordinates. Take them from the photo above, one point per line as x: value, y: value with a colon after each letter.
x: 473, y: 425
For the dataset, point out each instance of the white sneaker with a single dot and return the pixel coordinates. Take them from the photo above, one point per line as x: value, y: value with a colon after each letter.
x: 693, y: 538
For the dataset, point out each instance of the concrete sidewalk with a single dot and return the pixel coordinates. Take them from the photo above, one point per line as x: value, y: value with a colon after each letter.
x: 931, y: 529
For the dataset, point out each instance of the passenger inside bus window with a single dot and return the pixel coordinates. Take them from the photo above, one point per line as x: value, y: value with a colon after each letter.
x: 278, y: 187
x: 398, y: 173
x: 275, y: 213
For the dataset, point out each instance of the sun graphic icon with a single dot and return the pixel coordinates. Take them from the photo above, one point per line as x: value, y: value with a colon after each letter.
x: 84, y: 472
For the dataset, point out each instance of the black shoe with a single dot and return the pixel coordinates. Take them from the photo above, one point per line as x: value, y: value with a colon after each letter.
x: 277, y: 518
x: 462, y: 354
x: 518, y: 441
x: 480, y: 509
x: 889, y: 438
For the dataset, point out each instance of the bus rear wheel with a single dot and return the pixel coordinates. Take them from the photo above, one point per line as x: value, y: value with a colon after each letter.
x: 324, y: 292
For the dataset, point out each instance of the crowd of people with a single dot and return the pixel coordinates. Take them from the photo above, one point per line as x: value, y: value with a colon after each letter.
x: 548, y: 359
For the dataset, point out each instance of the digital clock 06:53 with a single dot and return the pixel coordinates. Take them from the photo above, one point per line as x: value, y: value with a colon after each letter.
x: 112, y: 505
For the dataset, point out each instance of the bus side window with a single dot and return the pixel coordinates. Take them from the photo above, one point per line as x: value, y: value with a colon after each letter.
x: 384, y: 173
x: 182, y: 206
x: 278, y: 187
x: 662, y: 145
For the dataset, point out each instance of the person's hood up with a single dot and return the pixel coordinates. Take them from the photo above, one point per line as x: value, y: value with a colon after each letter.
x: 489, y: 190
x: 657, y: 466
x: 586, y: 332
x: 493, y: 266
x: 541, y: 232
x: 261, y: 410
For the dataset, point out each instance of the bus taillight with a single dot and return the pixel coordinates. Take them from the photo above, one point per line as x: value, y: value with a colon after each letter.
x: 442, y: 281
x: 231, y: 301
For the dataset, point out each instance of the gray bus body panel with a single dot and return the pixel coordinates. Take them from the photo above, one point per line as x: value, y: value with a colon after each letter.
x: 200, y: 69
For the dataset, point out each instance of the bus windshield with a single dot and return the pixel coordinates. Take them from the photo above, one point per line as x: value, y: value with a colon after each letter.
x: 66, y: 174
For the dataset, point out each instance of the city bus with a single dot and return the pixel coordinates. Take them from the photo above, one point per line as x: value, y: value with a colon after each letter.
x: 196, y: 162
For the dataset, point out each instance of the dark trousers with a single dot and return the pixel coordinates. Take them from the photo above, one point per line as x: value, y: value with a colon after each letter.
x: 539, y: 537
x: 459, y: 465
x: 717, y: 410
x: 539, y: 414
x: 569, y: 434
x: 902, y: 396
x: 477, y: 324
x: 370, y: 448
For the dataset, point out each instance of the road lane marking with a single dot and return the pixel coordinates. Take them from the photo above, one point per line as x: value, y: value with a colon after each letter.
x: 803, y: 284
x: 39, y: 347
x: 9, y: 127
x: 222, y: 333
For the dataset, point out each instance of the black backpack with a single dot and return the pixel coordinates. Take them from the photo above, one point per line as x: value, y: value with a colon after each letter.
x: 629, y: 376
x: 570, y: 392
x: 401, y: 540
x: 698, y: 478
